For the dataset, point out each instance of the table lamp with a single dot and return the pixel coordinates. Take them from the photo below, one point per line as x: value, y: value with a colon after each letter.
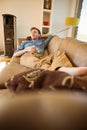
x: 69, y: 22
x: 72, y: 21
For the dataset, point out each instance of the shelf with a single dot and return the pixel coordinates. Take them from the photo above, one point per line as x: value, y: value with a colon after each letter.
x: 47, y: 10
x: 45, y: 26
x: 45, y: 30
x: 46, y: 21
x: 9, y: 28
x: 46, y: 18
x: 47, y: 4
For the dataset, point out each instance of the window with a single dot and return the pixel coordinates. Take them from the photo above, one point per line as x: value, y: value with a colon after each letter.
x: 82, y: 29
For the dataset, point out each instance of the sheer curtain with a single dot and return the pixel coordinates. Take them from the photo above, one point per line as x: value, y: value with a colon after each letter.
x: 82, y: 29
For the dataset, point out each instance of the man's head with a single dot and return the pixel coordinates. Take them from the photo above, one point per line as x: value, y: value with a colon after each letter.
x: 35, y: 33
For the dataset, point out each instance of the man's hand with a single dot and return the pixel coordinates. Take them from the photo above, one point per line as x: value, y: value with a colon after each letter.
x: 32, y: 48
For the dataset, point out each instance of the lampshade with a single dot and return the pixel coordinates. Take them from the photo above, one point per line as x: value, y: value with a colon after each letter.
x: 72, y: 21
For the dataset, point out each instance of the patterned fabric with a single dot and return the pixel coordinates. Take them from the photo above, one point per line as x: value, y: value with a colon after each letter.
x: 23, y: 81
x: 50, y: 62
x: 45, y: 80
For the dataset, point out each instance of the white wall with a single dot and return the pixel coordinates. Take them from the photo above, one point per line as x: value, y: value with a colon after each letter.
x: 28, y: 13
x: 62, y: 9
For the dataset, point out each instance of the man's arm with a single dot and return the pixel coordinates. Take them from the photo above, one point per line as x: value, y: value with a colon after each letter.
x: 48, y: 40
x: 20, y: 50
x: 28, y: 49
x: 19, y: 53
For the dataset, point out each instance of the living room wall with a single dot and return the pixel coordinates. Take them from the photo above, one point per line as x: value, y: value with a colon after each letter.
x: 61, y: 10
x: 29, y: 13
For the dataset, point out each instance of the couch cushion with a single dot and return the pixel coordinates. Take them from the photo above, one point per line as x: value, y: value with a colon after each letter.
x: 60, y: 59
x: 10, y: 70
x: 5, y: 93
x: 76, y: 50
x: 15, y: 59
x: 59, y: 110
x: 54, y: 44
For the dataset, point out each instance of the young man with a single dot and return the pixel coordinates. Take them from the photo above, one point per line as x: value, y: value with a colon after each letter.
x: 35, y: 45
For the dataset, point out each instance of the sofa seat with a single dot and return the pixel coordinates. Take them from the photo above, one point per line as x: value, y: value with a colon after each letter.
x: 5, y: 93
x: 75, y: 51
x: 61, y: 110
x: 44, y: 110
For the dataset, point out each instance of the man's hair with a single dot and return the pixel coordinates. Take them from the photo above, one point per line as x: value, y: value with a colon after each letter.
x: 36, y: 29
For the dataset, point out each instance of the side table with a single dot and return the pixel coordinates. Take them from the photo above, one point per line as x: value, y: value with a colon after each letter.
x: 5, y: 59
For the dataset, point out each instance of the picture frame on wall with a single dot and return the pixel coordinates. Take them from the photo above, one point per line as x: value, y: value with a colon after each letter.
x: 47, y: 4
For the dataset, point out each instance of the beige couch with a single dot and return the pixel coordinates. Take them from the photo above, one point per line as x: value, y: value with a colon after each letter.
x: 75, y: 50
x: 44, y: 111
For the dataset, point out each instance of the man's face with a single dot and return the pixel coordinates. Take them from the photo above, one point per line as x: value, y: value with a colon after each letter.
x: 34, y: 34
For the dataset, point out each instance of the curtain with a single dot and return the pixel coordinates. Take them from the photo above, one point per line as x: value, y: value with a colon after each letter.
x: 78, y: 14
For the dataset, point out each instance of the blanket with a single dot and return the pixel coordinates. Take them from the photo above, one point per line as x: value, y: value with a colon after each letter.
x: 47, y: 62
x: 39, y: 79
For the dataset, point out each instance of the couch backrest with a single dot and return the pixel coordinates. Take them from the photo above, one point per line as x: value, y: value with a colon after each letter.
x: 20, y: 40
x: 54, y: 44
x: 76, y: 51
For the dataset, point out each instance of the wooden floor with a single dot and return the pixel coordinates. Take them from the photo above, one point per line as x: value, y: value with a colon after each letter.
x: 2, y: 65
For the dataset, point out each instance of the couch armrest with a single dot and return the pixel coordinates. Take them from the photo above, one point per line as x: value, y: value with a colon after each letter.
x: 15, y: 60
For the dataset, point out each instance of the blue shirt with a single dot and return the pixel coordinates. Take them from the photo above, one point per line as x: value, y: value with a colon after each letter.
x: 39, y: 44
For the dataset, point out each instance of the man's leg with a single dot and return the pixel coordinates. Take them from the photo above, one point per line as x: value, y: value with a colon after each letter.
x: 74, y: 70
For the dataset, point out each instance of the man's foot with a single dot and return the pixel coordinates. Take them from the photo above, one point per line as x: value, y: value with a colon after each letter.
x: 74, y: 70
